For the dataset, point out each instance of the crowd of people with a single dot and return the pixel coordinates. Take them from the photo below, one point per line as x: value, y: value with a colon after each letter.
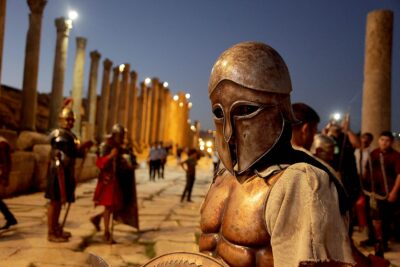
x: 371, y: 177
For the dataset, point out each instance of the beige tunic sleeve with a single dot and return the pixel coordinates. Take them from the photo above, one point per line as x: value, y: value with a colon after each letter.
x: 303, y: 218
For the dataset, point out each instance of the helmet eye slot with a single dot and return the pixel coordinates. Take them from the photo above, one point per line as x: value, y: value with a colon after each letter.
x: 218, y: 112
x: 244, y: 110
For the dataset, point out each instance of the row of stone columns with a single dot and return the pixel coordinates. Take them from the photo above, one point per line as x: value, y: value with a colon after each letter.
x: 148, y: 116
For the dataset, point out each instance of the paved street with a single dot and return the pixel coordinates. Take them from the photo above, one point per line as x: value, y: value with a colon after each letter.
x: 166, y: 225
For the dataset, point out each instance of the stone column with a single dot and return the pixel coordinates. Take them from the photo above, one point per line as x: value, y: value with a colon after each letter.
x: 167, y: 110
x: 104, y: 101
x: 77, y: 82
x: 376, y: 106
x: 2, y: 23
x: 161, y: 113
x: 154, y: 109
x: 123, y: 96
x: 31, y: 66
x: 114, y: 98
x: 92, y: 92
x: 143, y: 119
x: 132, y: 107
x: 63, y: 27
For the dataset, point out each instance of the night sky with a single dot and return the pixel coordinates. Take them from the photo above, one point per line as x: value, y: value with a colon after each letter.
x: 178, y: 41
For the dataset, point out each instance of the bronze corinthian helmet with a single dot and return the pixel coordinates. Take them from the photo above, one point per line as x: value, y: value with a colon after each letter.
x: 249, y: 89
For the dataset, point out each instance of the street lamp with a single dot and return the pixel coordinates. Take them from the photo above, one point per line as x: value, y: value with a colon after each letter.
x: 72, y: 15
x: 165, y: 84
x: 121, y: 67
x: 336, y: 116
x: 147, y: 81
x: 176, y: 97
x: 187, y: 96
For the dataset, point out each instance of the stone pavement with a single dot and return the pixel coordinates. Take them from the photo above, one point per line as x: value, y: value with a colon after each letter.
x: 166, y: 225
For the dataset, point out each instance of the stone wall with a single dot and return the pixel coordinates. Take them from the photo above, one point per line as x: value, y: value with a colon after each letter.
x: 10, y: 107
x: 30, y: 161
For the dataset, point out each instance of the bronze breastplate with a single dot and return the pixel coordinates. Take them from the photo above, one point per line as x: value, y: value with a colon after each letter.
x: 233, y: 221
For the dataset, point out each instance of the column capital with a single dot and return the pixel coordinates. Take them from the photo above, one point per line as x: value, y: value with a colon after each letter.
x: 116, y: 70
x: 81, y: 42
x: 95, y: 55
x: 62, y: 25
x: 134, y: 76
x: 107, y: 64
x: 126, y: 70
x: 37, y: 6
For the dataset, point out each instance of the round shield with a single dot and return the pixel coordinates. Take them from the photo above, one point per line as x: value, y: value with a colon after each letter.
x: 184, y: 259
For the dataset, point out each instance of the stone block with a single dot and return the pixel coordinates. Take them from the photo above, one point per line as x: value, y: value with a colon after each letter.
x: 21, y: 176
x: 42, y: 156
x: 11, y: 137
x: 26, y: 140
x: 88, y: 170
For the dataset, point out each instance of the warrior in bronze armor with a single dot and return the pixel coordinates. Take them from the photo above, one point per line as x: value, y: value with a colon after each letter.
x: 269, y: 205
x: 61, y: 180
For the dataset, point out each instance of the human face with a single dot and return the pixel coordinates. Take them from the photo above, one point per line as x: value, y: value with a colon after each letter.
x: 384, y: 143
x: 69, y: 123
x: 365, y: 141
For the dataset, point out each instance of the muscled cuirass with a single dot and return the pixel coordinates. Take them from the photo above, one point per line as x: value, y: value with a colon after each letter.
x: 233, y: 221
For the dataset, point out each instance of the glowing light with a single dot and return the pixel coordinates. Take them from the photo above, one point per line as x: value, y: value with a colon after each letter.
x: 193, y: 128
x: 147, y: 81
x: 121, y: 67
x: 209, y: 150
x: 202, y: 143
x: 180, y: 104
x: 72, y: 15
x: 336, y: 116
x: 165, y: 84
x: 208, y: 144
x: 201, y: 148
x: 176, y: 97
x: 187, y: 96
x: 190, y: 104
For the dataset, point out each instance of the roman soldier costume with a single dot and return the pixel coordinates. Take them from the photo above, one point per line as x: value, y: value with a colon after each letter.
x: 61, y: 182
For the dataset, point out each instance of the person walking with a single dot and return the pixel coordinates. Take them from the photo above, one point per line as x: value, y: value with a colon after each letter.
x: 5, y: 169
x: 189, y: 165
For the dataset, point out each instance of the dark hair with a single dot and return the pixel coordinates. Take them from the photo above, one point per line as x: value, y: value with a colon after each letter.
x: 192, y: 151
x: 387, y: 134
x: 370, y: 136
x: 305, y: 114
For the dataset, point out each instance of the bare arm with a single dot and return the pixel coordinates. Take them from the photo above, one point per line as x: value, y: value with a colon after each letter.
x: 395, y: 190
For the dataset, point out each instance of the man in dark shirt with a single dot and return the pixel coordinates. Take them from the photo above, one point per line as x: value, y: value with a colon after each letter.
x: 189, y: 166
x: 383, y: 182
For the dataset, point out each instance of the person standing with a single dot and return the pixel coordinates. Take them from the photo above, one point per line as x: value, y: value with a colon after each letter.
x: 61, y: 180
x: 162, y: 152
x: 108, y: 192
x: 189, y: 165
x: 153, y: 159
x: 383, y: 183
x: 5, y: 169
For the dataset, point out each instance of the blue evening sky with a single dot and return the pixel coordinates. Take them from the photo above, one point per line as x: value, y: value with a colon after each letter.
x: 178, y: 41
